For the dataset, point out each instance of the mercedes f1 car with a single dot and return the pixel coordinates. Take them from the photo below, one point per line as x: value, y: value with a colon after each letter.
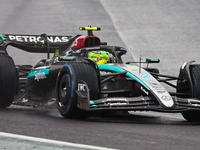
x: 79, y: 86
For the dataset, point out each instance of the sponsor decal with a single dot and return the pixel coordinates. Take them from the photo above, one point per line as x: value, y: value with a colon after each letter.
x: 116, y: 104
x: 193, y: 101
x: 81, y: 87
x: 27, y: 38
x: 160, y: 92
x: 39, y: 75
x: 104, y: 72
x: 43, y: 67
x: 155, y: 86
x: 166, y: 98
x: 75, y: 43
x: 195, y: 105
x: 131, y: 68
x: 89, y: 48
x: 116, y: 99
x: 145, y: 76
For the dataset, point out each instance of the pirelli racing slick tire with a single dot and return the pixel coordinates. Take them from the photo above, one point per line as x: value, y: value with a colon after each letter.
x: 66, y: 87
x: 194, y: 115
x: 8, y: 81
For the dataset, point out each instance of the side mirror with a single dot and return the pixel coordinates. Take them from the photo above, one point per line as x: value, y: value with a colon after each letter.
x: 152, y: 60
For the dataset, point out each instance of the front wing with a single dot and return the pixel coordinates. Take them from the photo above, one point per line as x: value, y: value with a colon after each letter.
x: 141, y: 103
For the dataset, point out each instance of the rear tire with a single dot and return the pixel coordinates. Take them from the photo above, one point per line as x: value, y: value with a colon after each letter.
x: 8, y: 81
x: 194, y: 115
x: 67, y: 84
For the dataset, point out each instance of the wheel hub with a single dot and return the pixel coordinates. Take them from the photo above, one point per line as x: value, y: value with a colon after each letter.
x: 64, y: 90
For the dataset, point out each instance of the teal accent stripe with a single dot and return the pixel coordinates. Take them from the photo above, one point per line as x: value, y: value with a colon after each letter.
x: 117, y: 69
x: 32, y: 74
x: 91, y: 102
x: 3, y: 38
x: 94, y: 106
x: 111, y: 68
x: 67, y: 57
x: 154, y: 58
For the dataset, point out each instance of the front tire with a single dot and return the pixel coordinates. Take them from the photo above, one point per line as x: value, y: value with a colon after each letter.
x: 67, y: 84
x: 8, y: 81
x: 194, y: 115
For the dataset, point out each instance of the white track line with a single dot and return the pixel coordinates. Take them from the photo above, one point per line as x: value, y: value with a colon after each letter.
x: 60, y: 143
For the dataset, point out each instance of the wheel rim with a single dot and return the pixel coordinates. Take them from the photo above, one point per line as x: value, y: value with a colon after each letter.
x: 64, y: 90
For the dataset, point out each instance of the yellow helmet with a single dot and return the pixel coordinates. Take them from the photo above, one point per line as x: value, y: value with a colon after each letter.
x: 100, y: 57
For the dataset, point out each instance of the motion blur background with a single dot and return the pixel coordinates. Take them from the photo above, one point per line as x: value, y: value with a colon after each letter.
x: 169, y: 30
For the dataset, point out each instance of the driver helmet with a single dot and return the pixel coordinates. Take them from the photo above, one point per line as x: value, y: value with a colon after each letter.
x: 100, y: 57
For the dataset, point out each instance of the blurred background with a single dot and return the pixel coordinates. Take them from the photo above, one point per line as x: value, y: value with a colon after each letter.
x: 169, y: 30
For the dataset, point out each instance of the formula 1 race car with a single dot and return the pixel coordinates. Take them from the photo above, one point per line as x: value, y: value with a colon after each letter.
x: 79, y: 85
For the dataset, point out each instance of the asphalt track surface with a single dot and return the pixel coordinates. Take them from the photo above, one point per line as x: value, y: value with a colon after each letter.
x: 169, y: 30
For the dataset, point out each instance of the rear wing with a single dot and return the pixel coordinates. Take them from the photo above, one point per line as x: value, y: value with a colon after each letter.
x: 33, y: 43
x: 41, y: 43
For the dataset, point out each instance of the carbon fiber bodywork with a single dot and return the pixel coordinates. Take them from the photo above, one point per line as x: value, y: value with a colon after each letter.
x: 120, y: 86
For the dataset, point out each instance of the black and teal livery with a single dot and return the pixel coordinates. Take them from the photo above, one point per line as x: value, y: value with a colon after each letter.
x: 78, y: 86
